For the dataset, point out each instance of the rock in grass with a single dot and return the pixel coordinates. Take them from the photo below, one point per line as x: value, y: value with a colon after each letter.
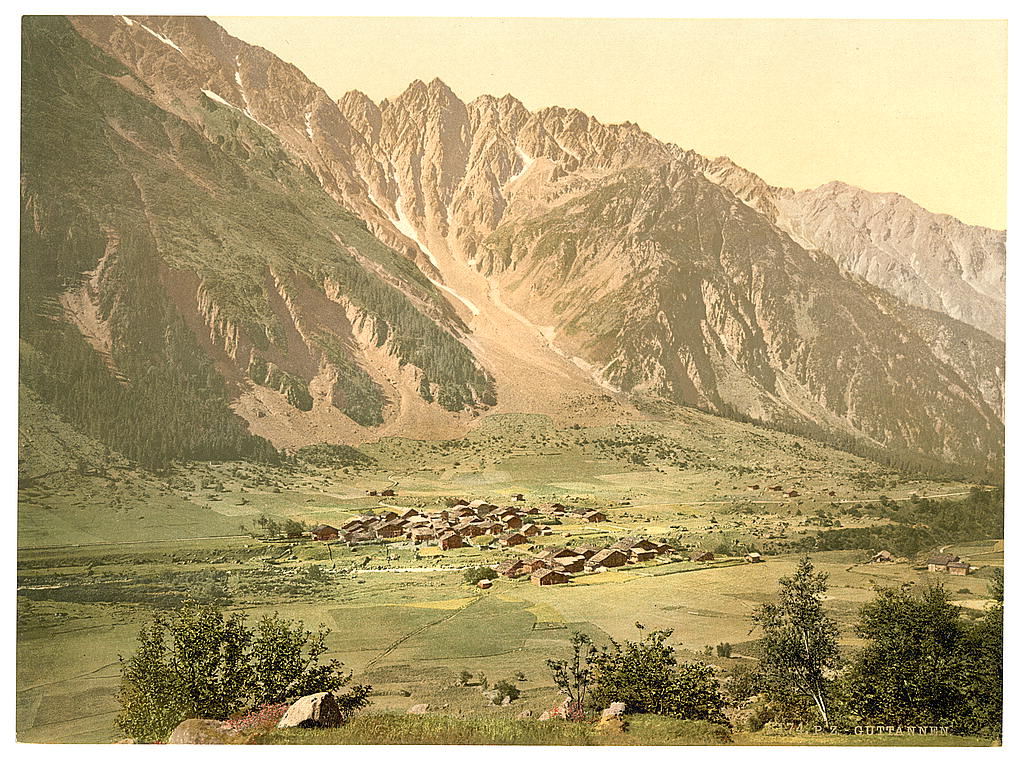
x: 319, y: 710
x: 417, y: 709
x: 615, y: 709
x: 611, y: 718
x: 199, y: 731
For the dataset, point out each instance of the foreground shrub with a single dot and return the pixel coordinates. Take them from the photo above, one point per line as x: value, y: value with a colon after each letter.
x: 644, y: 675
x: 647, y: 677
x: 924, y: 664
x: 199, y: 663
x: 507, y: 690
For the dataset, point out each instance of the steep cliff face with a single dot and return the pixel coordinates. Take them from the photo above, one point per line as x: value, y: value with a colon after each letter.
x: 926, y: 259
x: 199, y: 219
x: 672, y: 286
x: 515, y: 259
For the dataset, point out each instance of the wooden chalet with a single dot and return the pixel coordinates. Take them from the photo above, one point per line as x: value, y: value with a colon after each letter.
x: 958, y: 568
x: 703, y: 557
x: 469, y: 530
x: 608, y: 558
x: 510, y: 568
x: 388, y: 530
x: 545, y: 577
x: 450, y: 540
x: 570, y: 564
x: 419, y: 535
x: 940, y: 563
x: 324, y: 533
x: 512, y: 539
x: 536, y: 564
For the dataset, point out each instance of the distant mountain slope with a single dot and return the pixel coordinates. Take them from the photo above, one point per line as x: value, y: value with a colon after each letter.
x: 671, y: 286
x: 926, y: 259
x: 213, y: 268
x: 501, y: 258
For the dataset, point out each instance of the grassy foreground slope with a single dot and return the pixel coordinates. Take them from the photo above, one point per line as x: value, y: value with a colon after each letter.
x: 641, y: 730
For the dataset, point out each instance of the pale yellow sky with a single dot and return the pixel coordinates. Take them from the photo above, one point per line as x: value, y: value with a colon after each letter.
x: 916, y: 107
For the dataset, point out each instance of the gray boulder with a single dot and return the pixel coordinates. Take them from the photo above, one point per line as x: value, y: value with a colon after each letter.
x: 418, y: 709
x: 615, y: 709
x: 611, y: 718
x: 199, y: 731
x: 318, y: 710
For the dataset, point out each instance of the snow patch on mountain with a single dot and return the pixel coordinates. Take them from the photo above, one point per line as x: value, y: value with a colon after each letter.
x: 469, y: 304
x: 157, y: 35
x: 220, y: 99
x: 405, y: 226
x: 526, y: 161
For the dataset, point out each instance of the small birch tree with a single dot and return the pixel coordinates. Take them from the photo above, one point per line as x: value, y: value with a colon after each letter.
x: 800, y: 648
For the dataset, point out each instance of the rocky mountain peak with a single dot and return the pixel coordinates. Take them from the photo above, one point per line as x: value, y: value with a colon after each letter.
x: 595, y: 251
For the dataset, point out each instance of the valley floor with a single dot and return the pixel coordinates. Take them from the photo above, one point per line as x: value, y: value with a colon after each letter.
x: 97, y: 557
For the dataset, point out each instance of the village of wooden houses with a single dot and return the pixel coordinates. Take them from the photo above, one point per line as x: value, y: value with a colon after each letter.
x: 514, y: 533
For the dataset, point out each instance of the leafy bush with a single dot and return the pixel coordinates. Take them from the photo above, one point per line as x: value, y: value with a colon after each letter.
x: 925, y: 665
x: 199, y: 663
x: 644, y: 675
x: 574, y: 676
x: 507, y: 690
x: 316, y: 573
x: 473, y: 575
x: 744, y: 683
x: 647, y: 677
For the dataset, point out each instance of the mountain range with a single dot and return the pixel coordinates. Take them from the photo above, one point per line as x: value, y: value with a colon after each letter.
x: 220, y: 260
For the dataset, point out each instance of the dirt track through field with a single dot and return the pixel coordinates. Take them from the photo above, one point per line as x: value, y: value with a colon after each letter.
x: 416, y: 631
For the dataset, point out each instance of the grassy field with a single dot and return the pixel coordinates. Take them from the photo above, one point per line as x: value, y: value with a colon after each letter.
x: 641, y: 730
x: 99, y: 555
